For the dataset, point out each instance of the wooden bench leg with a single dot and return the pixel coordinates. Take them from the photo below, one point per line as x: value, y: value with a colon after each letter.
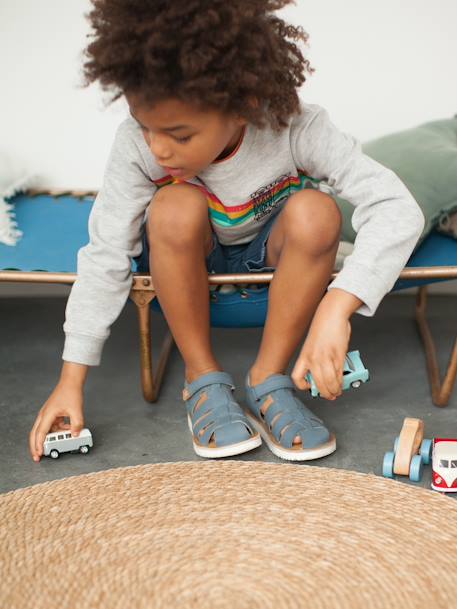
x: 150, y: 383
x: 441, y: 392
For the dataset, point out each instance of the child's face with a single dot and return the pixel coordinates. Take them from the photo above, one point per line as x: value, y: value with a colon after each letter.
x: 201, y: 138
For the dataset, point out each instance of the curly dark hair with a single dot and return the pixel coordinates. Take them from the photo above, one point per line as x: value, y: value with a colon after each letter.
x: 212, y: 54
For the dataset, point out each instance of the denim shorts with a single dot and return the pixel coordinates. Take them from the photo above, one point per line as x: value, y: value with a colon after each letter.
x: 244, y: 258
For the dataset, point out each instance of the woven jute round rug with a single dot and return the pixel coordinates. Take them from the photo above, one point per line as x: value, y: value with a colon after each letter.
x: 227, y: 534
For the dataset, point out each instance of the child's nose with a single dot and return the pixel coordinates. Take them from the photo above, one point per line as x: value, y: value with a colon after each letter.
x: 159, y: 149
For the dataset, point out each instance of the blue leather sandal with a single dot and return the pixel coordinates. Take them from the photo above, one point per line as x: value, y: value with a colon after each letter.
x: 286, y: 417
x: 218, y: 424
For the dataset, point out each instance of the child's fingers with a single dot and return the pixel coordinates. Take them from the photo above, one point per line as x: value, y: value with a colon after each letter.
x: 302, y: 383
x: 326, y: 381
x: 328, y: 377
x: 338, y: 372
x: 334, y: 377
x: 60, y: 425
x: 298, y: 375
x: 32, y: 439
x: 77, y: 423
x: 43, y: 428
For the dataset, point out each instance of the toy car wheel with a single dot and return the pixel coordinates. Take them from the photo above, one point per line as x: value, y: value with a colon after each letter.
x: 356, y: 384
x: 388, y: 465
x: 426, y: 451
x: 84, y: 449
x: 415, y: 470
x: 54, y: 454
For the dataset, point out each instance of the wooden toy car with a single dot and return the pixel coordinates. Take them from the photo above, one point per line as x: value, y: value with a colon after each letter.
x: 62, y: 441
x: 354, y: 373
x: 411, y: 452
x: 444, y: 465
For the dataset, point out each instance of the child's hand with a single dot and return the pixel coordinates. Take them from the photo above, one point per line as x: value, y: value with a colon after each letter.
x: 67, y: 400
x: 323, y: 353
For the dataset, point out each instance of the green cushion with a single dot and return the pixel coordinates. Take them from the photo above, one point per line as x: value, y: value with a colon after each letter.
x: 425, y: 159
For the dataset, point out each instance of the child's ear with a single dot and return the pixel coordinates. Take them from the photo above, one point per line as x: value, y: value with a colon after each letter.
x: 253, y: 101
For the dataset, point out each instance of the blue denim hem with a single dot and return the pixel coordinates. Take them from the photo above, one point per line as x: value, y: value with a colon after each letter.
x: 247, y: 257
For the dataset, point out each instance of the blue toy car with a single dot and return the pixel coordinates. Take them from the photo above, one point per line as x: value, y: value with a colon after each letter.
x: 354, y: 373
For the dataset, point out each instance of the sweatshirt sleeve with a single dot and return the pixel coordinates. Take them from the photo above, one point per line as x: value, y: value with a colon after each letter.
x: 387, y: 219
x: 104, y: 275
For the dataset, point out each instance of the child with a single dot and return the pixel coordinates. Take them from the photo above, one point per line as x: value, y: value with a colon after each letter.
x: 220, y: 167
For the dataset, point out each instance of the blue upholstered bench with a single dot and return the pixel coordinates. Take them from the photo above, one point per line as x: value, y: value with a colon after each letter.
x: 55, y: 227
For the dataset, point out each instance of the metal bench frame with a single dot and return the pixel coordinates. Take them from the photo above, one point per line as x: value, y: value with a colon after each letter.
x: 142, y: 293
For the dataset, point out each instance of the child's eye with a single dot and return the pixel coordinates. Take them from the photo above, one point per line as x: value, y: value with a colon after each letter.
x: 182, y: 140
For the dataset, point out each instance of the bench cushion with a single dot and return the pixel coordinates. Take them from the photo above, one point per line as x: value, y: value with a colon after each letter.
x: 425, y: 159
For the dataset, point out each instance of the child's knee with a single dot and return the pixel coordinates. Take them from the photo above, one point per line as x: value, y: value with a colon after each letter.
x: 313, y: 220
x: 177, y: 214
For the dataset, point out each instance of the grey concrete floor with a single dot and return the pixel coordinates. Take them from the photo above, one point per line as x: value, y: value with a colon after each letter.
x: 129, y: 431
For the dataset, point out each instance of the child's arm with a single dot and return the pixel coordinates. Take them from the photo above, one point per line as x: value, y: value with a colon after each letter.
x: 104, y: 264
x: 104, y: 278
x: 327, y: 343
x: 387, y: 219
x: 388, y: 222
x: 66, y: 400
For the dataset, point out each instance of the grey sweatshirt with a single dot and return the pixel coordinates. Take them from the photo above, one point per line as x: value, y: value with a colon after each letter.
x: 242, y: 191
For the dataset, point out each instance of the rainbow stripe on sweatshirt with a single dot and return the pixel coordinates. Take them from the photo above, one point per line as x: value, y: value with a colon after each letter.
x: 236, y: 215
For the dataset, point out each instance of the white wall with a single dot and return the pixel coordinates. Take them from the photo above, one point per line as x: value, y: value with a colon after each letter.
x: 380, y: 67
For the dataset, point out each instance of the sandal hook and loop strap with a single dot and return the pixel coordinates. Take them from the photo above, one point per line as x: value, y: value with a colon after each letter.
x: 277, y: 381
x: 211, y: 378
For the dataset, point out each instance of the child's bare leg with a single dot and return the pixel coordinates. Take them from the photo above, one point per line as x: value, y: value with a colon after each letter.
x: 302, y: 246
x: 180, y: 238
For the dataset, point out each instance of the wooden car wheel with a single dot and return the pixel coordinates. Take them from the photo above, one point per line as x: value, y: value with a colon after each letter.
x: 388, y: 465
x: 415, y: 472
x: 426, y: 451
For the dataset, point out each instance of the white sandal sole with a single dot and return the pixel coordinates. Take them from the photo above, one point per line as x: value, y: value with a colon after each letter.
x: 289, y: 454
x: 224, y: 451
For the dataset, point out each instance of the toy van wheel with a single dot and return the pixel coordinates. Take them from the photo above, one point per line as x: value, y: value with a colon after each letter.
x: 426, y: 451
x: 84, y: 449
x: 54, y: 454
x: 356, y: 384
x: 415, y: 470
x: 388, y: 465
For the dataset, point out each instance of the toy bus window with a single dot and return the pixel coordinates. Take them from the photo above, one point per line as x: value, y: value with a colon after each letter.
x: 454, y: 463
x: 350, y: 364
x: 444, y: 463
x: 52, y: 438
x: 68, y: 435
x: 60, y: 437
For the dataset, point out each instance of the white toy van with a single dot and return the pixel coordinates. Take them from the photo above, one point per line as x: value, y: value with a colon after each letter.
x: 444, y: 465
x: 57, y: 442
